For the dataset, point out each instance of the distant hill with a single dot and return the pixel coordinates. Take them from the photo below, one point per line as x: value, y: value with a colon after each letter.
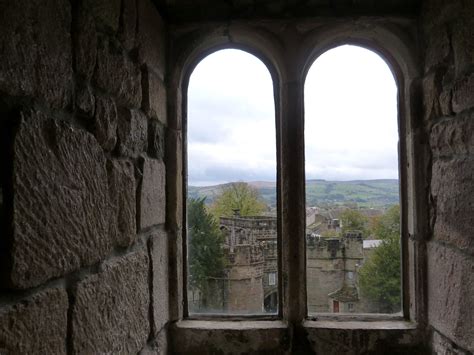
x: 366, y: 193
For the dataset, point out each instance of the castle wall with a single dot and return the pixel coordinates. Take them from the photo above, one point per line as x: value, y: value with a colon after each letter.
x: 447, y: 125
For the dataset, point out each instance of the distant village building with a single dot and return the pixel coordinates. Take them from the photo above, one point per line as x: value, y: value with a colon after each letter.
x: 251, y: 276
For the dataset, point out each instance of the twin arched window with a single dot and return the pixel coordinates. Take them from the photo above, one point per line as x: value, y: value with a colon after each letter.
x: 351, y: 165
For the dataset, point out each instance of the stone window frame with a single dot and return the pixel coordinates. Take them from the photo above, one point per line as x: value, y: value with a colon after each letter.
x: 395, y: 42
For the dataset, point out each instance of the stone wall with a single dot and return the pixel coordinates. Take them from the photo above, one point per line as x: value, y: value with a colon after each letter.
x: 448, y: 98
x: 83, y: 243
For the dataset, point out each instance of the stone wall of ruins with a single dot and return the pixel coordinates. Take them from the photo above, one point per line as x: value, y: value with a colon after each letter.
x: 83, y: 122
x: 448, y: 118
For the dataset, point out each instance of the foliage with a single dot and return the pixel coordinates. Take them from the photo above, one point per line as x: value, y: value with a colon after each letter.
x: 388, y: 224
x: 205, y: 240
x: 238, y: 196
x: 352, y: 220
x: 379, y: 277
x: 329, y: 233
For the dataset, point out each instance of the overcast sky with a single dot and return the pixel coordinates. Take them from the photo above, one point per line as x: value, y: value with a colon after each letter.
x: 350, y: 118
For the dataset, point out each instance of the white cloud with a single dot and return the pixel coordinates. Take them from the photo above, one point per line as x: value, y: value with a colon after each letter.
x: 350, y: 128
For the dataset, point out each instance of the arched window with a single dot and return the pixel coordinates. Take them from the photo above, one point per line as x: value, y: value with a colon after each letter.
x: 352, y: 184
x: 231, y: 175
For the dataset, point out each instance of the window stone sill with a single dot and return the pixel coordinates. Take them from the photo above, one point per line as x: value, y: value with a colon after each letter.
x: 230, y: 324
x: 360, y: 325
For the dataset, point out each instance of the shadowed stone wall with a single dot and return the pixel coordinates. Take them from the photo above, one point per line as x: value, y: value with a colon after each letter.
x: 448, y: 98
x: 83, y: 243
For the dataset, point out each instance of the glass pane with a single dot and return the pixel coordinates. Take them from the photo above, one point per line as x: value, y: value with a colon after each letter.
x: 352, y: 200
x: 231, y: 202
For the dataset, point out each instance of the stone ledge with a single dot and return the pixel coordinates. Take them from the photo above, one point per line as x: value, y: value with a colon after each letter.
x: 231, y: 325
x: 361, y: 325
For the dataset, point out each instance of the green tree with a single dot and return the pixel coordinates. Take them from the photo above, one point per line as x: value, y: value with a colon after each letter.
x: 379, y: 277
x: 205, y: 241
x: 238, y: 196
x: 352, y: 220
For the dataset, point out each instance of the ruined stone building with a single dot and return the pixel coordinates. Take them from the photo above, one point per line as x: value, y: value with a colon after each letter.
x: 93, y: 109
x: 250, y: 282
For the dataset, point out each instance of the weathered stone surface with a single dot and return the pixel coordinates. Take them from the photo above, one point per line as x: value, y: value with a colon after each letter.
x: 154, y: 95
x: 437, y: 48
x: 156, y: 139
x: 159, y: 258
x: 431, y: 92
x: 211, y: 337
x: 85, y: 100
x: 118, y: 75
x: 122, y: 191
x: 128, y: 24
x: 36, y: 325
x: 463, y: 94
x: 36, y: 54
x: 450, y: 285
x: 106, y: 12
x: 442, y: 345
x: 453, y: 137
x: 60, y: 205
x: 110, y: 313
x: 105, y: 123
x: 174, y: 178
x: 463, y: 45
x: 151, y: 37
x: 152, y: 193
x: 158, y: 346
x: 438, y: 12
x: 175, y: 107
x: 84, y: 41
x: 445, y: 102
x: 132, y: 132
x: 452, y: 188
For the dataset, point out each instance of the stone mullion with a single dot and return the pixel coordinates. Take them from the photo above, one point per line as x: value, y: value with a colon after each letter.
x: 293, y: 203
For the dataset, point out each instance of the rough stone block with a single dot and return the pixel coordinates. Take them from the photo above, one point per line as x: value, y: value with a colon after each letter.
x: 132, y: 132
x: 158, y: 346
x: 438, y: 12
x: 110, y: 312
x: 122, y: 191
x: 36, y: 54
x: 463, y: 94
x: 154, y: 95
x: 36, y: 325
x: 450, y: 285
x: 128, y: 24
x: 60, y: 205
x: 151, y: 36
x: 431, y: 92
x: 452, y: 188
x: 84, y: 41
x: 437, y: 47
x: 160, y: 271
x: 453, y: 137
x: 85, y: 100
x: 174, y: 177
x: 156, y: 139
x: 117, y: 74
x: 463, y: 45
x: 106, y: 12
x: 105, y: 122
x: 152, y: 194
x: 442, y: 345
